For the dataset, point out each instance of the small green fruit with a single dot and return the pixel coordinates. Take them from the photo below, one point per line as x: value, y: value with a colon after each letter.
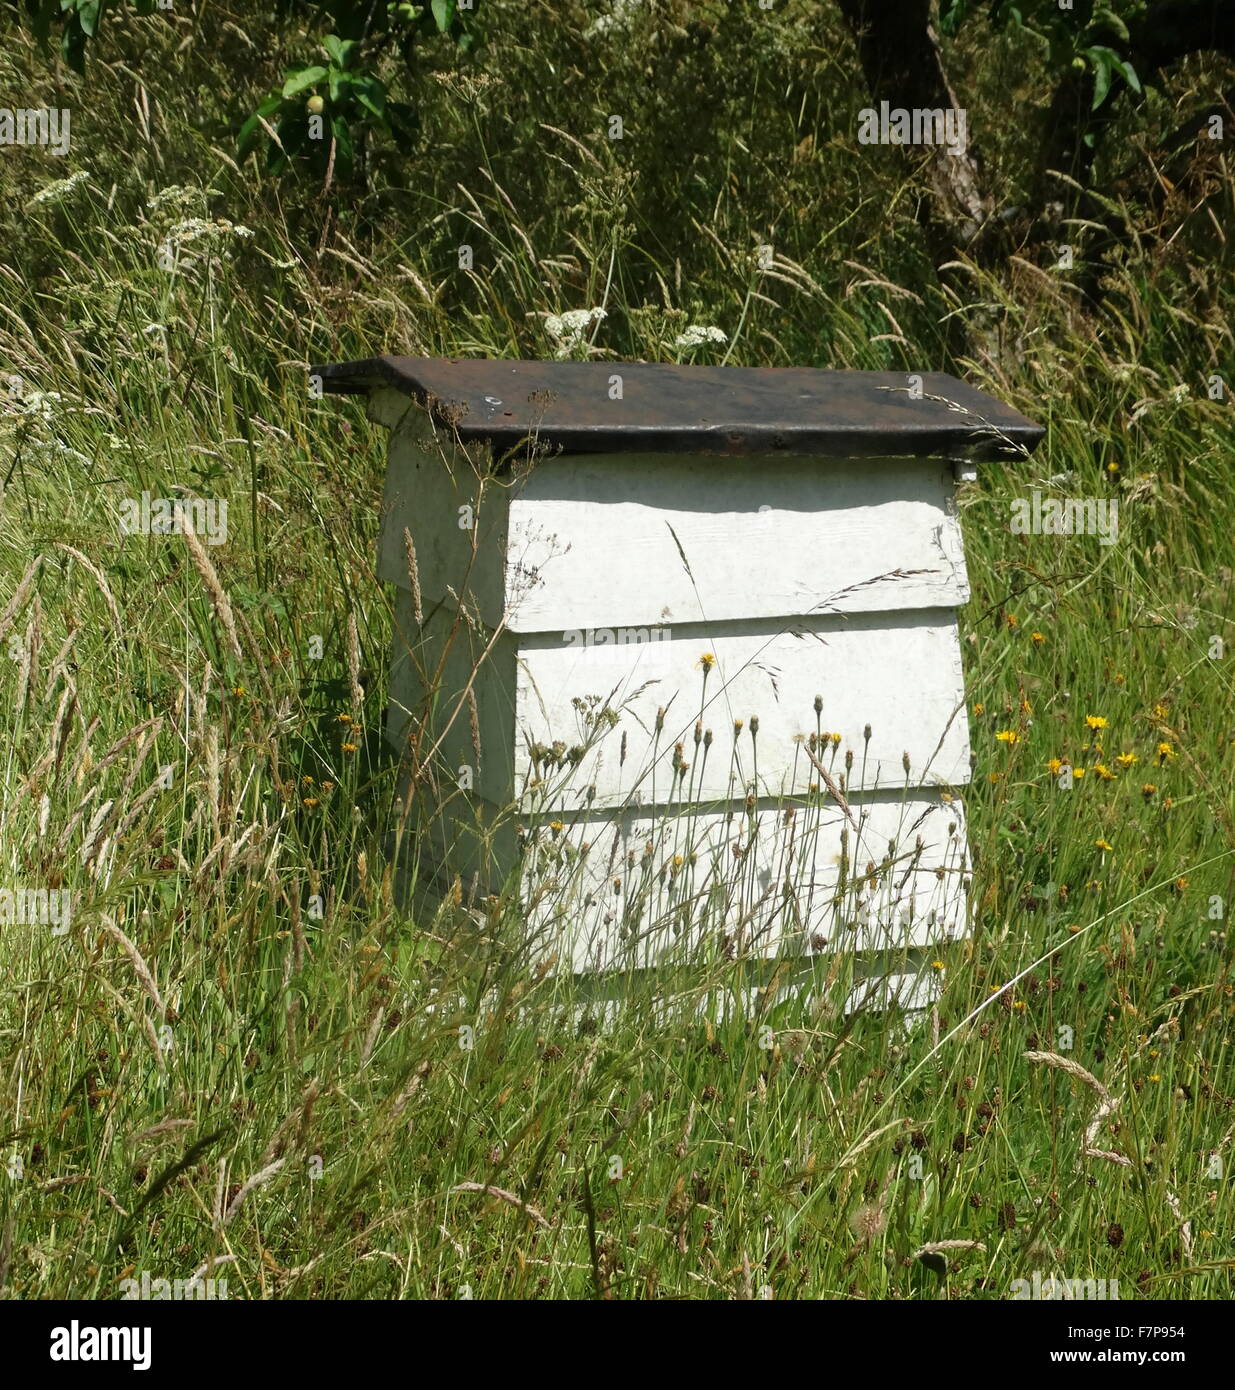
x: 315, y: 106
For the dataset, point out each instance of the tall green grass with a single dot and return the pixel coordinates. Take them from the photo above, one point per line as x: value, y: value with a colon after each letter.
x: 243, y: 991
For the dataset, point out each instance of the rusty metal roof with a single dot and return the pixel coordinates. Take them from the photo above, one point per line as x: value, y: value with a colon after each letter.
x: 663, y: 408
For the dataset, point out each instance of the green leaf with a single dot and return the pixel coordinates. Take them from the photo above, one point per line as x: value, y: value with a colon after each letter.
x: 370, y: 93
x: 341, y: 51
x: 1129, y: 73
x: 1101, y: 65
x: 297, y: 79
x: 374, y: 110
x: 1108, y: 19
x: 88, y: 16
x: 1106, y: 62
x: 444, y: 13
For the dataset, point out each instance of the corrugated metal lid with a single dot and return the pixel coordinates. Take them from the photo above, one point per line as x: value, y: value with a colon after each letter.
x: 718, y: 411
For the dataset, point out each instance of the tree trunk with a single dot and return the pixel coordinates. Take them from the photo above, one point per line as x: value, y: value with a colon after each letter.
x: 900, y: 60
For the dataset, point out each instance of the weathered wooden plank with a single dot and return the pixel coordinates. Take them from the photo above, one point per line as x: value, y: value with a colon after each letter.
x: 600, y: 407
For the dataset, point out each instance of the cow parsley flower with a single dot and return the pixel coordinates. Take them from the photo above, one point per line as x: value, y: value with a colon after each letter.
x: 696, y: 335
x: 567, y: 329
x: 62, y: 189
x: 182, y: 235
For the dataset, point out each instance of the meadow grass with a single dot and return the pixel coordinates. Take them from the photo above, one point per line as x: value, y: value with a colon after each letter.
x: 251, y: 1048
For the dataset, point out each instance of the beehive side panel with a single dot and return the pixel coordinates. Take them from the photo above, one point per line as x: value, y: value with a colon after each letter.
x: 391, y: 409
x: 661, y: 539
x: 465, y: 656
x: 457, y: 523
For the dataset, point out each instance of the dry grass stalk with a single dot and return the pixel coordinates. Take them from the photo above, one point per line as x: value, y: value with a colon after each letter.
x: 100, y: 579
x: 94, y: 831
x: 353, y: 665
x: 210, y: 578
x: 123, y: 742
x: 503, y: 1196
x: 256, y: 1180
x: 139, y: 805
x: 60, y: 663
x: 1053, y: 1059
x: 141, y: 969
x: 413, y: 577
x: 830, y: 782
x: 204, y: 1270
x: 1108, y: 1105
x: 299, y: 1114
x: 18, y: 601
x: 25, y: 670
x: 163, y: 1127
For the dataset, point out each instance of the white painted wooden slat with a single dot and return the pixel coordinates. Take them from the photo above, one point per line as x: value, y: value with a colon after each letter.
x: 638, y: 540
x: 533, y: 692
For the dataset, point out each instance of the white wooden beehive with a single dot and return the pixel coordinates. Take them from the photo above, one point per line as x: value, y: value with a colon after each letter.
x: 707, y: 620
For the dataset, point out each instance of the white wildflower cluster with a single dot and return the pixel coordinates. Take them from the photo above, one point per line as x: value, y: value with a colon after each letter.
x: 182, y: 236
x: 61, y: 190
x: 696, y: 335
x: 567, y: 329
x: 30, y: 416
x: 179, y: 201
x: 621, y: 16
x: 48, y: 450
x: 42, y: 405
